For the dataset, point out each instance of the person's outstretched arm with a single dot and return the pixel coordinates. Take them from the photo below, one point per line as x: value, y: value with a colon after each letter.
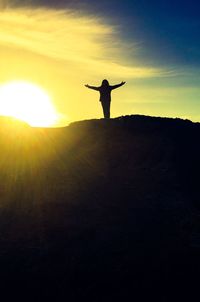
x: 118, y: 85
x: 92, y: 87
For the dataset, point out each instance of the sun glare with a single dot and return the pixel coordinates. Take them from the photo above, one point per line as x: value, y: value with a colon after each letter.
x: 27, y: 102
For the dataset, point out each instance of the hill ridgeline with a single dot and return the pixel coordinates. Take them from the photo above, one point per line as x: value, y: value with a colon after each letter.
x: 101, y: 210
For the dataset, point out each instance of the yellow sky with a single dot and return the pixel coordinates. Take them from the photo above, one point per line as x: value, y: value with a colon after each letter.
x: 60, y: 51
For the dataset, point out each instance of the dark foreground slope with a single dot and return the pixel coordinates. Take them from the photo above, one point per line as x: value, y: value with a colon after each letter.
x: 101, y: 211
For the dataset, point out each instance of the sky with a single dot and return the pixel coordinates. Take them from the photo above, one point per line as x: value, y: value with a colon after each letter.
x: 62, y: 45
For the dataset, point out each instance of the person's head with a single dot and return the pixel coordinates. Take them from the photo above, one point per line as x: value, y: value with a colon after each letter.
x: 105, y: 83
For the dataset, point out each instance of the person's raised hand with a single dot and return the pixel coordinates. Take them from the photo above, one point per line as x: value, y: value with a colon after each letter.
x: 123, y: 83
x: 87, y: 85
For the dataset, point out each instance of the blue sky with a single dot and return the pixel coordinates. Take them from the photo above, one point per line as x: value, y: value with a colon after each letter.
x: 168, y: 30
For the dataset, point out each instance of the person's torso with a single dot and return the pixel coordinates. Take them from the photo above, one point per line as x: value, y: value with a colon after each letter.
x: 105, y: 94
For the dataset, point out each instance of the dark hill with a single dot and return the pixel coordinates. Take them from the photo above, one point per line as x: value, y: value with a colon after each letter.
x: 101, y: 211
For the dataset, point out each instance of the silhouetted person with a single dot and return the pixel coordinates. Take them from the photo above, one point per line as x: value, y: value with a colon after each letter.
x: 105, y: 95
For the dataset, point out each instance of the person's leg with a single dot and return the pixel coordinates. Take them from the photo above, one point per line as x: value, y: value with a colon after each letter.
x: 106, y: 109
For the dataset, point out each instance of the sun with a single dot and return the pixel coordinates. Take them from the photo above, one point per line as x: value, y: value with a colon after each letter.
x: 27, y: 102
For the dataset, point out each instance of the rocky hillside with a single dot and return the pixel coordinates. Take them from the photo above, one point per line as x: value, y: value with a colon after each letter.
x: 101, y: 210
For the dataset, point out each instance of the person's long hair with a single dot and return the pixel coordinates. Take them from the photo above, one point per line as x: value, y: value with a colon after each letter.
x: 105, y: 83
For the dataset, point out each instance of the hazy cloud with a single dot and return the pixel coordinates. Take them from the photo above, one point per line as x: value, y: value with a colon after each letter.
x: 80, y: 40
